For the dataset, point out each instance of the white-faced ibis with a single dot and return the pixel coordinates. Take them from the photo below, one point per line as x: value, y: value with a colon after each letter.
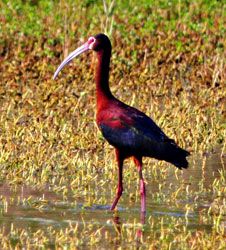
x: 131, y: 132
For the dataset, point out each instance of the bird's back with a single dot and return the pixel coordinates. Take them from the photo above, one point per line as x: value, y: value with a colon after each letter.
x: 136, y: 134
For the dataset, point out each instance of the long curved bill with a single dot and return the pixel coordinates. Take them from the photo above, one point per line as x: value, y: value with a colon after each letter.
x: 72, y: 55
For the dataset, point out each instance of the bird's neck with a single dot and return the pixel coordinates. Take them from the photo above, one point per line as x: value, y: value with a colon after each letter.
x: 103, y: 92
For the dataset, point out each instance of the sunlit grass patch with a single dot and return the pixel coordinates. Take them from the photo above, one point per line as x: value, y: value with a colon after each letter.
x: 168, y: 61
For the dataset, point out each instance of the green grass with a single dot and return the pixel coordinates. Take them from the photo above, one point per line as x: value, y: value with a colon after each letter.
x: 168, y: 61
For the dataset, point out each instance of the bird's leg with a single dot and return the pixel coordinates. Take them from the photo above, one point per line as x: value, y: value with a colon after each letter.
x: 119, y: 159
x: 138, y: 162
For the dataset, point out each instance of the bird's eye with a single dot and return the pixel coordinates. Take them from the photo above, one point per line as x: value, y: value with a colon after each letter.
x: 91, y: 40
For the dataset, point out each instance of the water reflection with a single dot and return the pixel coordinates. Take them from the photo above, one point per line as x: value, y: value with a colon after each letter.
x: 28, y: 207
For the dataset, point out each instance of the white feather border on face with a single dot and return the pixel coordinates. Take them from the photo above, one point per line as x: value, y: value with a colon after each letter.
x: 91, y: 42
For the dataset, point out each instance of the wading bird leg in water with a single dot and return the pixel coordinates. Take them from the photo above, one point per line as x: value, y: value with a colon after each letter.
x: 117, y: 224
x: 138, y: 163
x: 119, y: 160
x: 118, y: 227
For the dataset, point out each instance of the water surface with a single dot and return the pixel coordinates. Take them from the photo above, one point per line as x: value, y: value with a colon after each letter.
x: 31, y: 208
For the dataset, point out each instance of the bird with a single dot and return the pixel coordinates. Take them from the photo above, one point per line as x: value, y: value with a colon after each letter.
x: 131, y: 132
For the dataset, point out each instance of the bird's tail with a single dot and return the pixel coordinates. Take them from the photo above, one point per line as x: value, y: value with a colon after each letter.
x: 176, y: 156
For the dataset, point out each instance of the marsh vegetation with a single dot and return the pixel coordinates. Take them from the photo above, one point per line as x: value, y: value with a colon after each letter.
x: 58, y: 176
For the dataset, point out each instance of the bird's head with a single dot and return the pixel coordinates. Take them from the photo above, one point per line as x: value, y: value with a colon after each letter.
x: 96, y: 43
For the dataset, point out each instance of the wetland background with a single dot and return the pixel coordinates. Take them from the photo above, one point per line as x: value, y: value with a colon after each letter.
x: 58, y: 176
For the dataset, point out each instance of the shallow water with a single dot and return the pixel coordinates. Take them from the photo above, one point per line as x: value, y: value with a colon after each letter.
x: 26, y: 207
